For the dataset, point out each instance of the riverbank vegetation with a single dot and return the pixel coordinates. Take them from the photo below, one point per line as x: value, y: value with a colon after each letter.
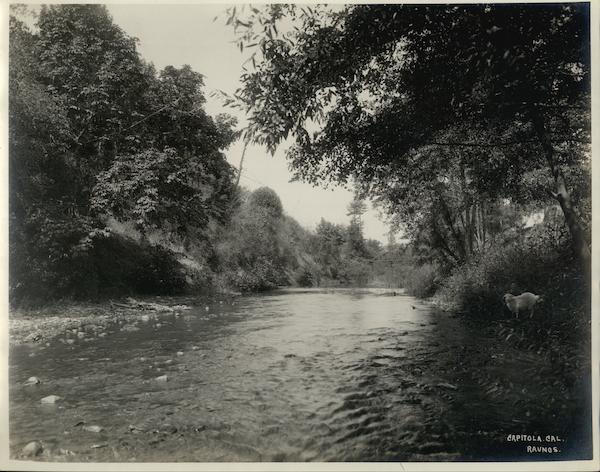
x: 476, y: 144
x: 477, y: 149
x: 119, y: 183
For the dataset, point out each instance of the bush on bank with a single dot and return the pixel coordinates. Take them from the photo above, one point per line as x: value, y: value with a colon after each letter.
x: 538, y: 262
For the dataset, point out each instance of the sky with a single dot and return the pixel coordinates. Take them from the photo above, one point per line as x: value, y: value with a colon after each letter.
x: 188, y: 34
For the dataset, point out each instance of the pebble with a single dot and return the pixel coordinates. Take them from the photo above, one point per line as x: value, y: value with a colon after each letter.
x: 80, y: 334
x: 129, y: 328
x: 34, y: 448
x: 145, y: 318
x: 33, y: 337
x: 98, y: 446
x: 93, y: 428
x: 180, y: 353
x: 162, y: 378
x: 101, y: 335
x: 195, y: 348
x: 70, y: 341
x: 32, y: 381
x: 51, y: 399
x: 206, y: 308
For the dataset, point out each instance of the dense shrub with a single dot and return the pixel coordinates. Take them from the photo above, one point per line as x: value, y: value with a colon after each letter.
x: 536, y: 263
x: 75, y: 261
x: 421, y: 281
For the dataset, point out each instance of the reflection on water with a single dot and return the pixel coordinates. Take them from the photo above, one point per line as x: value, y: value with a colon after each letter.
x: 296, y: 375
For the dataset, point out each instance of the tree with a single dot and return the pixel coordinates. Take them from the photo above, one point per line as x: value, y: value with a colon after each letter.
x: 355, y: 240
x: 93, y: 68
x: 94, y: 131
x: 252, y: 254
x: 385, y: 81
x: 164, y: 190
x: 330, y: 239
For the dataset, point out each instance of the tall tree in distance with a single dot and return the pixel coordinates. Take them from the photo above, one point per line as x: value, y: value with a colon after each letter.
x: 355, y: 240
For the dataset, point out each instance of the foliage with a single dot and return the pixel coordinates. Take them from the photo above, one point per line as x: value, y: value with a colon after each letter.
x: 395, y: 89
x: 164, y: 189
x: 422, y: 280
x: 250, y: 256
x: 96, y: 133
x: 538, y: 262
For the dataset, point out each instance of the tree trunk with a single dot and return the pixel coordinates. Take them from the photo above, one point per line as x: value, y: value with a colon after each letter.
x: 562, y: 195
x: 237, y: 182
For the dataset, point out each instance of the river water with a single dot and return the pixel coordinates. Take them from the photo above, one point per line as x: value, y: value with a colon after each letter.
x: 294, y: 375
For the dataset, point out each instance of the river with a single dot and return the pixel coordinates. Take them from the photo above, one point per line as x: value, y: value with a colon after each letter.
x: 293, y: 375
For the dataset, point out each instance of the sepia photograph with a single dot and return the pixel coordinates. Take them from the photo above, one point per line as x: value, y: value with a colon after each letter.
x: 346, y: 233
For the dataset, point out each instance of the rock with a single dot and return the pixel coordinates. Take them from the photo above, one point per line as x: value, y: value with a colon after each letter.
x: 93, y: 428
x: 162, y: 378
x: 145, y: 318
x: 206, y: 308
x: 129, y: 328
x: 180, y: 353
x: 32, y: 381
x: 32, y: 449
x: 70, y: 341
x: 101, y: 335
x: 143, y: 359
x: 157, y: 325
x: 33, y: 337
x: 32, y: 354
x: 80, y: 334
x: 98, y: 446
x: 51, y: 399
x: 195, y: 348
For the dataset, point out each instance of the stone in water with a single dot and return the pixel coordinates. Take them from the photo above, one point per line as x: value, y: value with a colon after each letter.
x: 34, y: 448
x: 51, y: 399
x: 93, y: 428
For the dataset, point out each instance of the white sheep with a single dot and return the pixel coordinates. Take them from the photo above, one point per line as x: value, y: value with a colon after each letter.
x: 518, y: 304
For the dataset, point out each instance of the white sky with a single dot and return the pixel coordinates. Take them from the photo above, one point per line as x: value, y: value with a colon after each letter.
x: 186, y: 34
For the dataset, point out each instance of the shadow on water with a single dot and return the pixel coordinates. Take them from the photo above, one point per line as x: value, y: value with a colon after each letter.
x: 294, y: 375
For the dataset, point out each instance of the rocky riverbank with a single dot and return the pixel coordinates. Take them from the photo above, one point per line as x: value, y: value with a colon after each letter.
x: 39, y: 325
